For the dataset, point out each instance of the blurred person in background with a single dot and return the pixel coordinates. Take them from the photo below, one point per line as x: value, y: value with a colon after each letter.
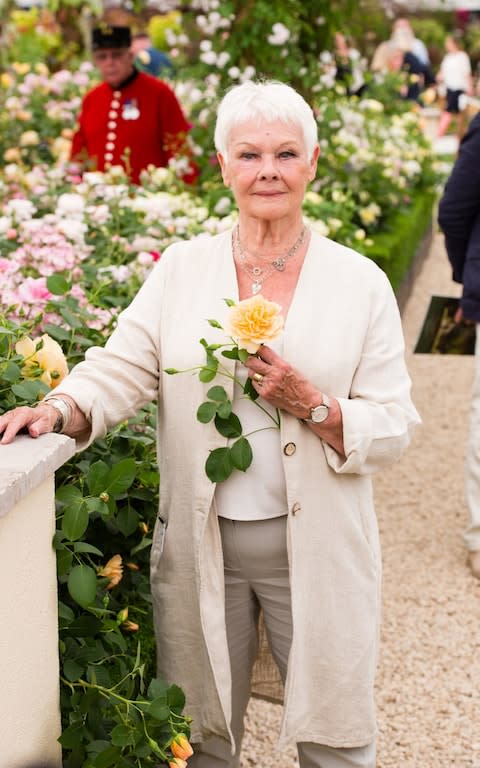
x: 131, y: 119
x: 396, y: 56
x: 402, y: 27
x: 459, y: 218
x: 455, y: 76
x: 349, y: 66
x: 150, y: 59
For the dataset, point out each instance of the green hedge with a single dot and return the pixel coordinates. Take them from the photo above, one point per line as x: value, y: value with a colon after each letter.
x: 394, y: 249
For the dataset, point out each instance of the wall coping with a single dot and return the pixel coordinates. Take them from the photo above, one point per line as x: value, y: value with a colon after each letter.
x: 27, y: 462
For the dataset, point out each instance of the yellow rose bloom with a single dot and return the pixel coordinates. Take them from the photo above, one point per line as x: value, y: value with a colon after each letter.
x: 21, y: 67
x: 12, y: 155
x: 254, y: 322
x: 6, y: 80
x: 49, y: 359
x: 112, y: 570
x: 29, y: 139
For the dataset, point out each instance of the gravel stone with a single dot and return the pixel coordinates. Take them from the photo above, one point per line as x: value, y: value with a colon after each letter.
x: 428, y: 679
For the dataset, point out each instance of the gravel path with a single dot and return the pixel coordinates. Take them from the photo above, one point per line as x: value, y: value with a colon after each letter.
x: 429, y: 674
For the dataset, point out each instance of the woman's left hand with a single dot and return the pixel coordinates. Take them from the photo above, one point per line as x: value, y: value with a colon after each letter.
x: 287, y: 389
x: 281, y: 384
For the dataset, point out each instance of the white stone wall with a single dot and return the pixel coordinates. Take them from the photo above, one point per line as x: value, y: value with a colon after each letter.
x: 29, y: 690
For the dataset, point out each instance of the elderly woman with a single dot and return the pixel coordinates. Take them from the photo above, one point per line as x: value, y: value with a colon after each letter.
x: 295, y: 537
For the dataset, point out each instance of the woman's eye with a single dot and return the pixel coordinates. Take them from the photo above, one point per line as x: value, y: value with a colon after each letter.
x: 287, y: 153
x: 248, y: 155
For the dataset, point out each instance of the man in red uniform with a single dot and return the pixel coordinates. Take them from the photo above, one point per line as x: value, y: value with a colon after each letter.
x: 130, y: 119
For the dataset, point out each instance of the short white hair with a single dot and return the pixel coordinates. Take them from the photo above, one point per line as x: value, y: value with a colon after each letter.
x: 267, y: 101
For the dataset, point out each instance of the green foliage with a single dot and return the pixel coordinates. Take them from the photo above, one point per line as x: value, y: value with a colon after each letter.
x: 159, y: 26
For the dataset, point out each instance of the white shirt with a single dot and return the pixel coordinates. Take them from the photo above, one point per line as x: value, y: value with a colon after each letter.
x: 456, y: 71
x: 264, y: 480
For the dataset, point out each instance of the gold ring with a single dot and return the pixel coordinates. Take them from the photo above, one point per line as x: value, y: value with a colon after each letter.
x: 257, y: 377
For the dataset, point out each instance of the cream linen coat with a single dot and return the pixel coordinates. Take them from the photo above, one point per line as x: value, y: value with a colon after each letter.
x: 343, y: 331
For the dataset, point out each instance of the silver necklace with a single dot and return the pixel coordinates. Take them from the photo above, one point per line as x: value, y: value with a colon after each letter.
x: 257, y: 274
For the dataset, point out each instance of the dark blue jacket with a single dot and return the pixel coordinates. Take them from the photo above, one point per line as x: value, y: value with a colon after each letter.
x: 459, y: 218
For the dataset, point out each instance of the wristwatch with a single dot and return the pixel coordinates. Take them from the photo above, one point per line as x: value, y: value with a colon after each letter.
x: 320, y: 412
x: 63, y: 410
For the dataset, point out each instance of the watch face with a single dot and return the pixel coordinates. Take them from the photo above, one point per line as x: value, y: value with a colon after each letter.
x: 319, y: 414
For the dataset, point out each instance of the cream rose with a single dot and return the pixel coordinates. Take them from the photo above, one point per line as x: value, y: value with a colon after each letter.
x: 49, y: 359
x: 253, y: 322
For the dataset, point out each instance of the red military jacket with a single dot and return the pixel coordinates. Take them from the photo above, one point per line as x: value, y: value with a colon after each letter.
x: 138, y: 124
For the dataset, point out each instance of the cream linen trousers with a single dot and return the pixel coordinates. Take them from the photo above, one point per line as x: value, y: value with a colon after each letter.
x: 472, y: 460
x: 256, y: 577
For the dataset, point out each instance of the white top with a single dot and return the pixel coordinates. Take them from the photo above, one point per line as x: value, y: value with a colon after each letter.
x: 456, y: 71
x: 264, y: 480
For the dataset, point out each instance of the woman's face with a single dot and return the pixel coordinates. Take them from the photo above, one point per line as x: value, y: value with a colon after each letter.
x: 268, y: 168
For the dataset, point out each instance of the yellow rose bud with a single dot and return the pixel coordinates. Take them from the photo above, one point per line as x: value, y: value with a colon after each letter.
x: 133, y: 566
x: 130, y: 626
x: 181, y: 747
x: 144, y: 528
x: 253, y: 322
x: 104, y: 496
x: 122, y: 615
x: 113, y: 570
x: 177, y: 762
x: 49, y: 359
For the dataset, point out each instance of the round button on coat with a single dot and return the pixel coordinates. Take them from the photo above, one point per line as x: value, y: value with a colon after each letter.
x: 289, y: 449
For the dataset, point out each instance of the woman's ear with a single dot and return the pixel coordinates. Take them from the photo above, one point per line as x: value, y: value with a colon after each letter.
x: 313, y: 163
x: 223, y: 167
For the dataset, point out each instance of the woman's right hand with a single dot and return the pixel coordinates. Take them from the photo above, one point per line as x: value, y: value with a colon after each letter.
x: 36, y: 421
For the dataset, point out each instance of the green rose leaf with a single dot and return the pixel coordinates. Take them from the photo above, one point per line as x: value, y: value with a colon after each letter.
x: 241, y: 454
x: 218, y: 394
x: 64, y: 561
x: 75, y: 521
x: 97, y: 477
x: 73, y: 736
x: 230, y: 427
x: 207, y: 374
x: 219, y: 465
x: 157, y: 688
x: 176, y: 698
x: 206, y: 412
x: 82, y: 585
x: 249, y: 390
x: 121, y: 476
x: 232, y: 354
x: 69, y: 494
x: 224, y: 409
x: 122, y: 736
x: 159, y: 709
x: 243, y: 355
x: 108, y: 757
x: 11, y: 372
x: 58, y: 285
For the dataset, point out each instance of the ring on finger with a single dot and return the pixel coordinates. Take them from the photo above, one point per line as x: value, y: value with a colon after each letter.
x: 258, y: 378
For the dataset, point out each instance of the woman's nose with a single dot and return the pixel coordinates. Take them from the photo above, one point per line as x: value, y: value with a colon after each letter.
x: 268, y: 168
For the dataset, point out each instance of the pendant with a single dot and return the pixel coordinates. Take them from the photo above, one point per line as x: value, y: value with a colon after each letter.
x: 279, y: 264
x: 256, y: 287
